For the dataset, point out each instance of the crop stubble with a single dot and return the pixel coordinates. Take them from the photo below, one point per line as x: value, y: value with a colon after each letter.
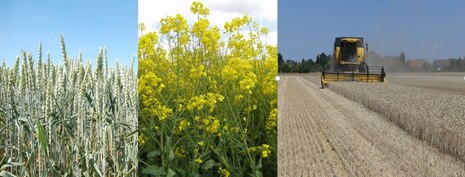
x: 324, y: 134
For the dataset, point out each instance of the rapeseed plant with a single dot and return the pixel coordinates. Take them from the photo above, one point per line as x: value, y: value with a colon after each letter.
x: 211, y: 92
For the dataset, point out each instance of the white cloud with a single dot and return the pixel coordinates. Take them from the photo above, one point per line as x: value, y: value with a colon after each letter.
x: 273, y: 37
x: 265, y: 12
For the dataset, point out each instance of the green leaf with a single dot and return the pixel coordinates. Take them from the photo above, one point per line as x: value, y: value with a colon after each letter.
x: 42, y: 139
x: 258, y: 173
x: 123, y: 124
x: 171, y: 173
x: 95, y: 167
x: 259, y: 166
x: 154, y: 170
x: 208, y: 164
x: 133, y: 158
x: 167, y: 143
x: 89, y: 98
x: 6, y: 174
x: 171, y: 154
x: 153, y: 153
x: 58, y: 170
x: 10, y: 164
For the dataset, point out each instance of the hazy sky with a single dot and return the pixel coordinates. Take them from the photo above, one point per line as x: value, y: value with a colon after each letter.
x: 263, y: 12
x: 421, y: 28
x: 86, y: 25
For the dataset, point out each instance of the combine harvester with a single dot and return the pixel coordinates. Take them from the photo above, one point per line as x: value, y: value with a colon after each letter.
x: 349, y: 64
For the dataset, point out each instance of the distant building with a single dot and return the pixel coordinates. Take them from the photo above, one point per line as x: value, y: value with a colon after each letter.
x: 416, y: 64
x: 441, y: 64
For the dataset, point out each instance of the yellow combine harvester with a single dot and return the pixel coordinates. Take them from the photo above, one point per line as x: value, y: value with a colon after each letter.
x: 349, y: 64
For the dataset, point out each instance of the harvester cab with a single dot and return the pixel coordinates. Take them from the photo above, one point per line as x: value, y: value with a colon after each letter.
x: 348, y: 63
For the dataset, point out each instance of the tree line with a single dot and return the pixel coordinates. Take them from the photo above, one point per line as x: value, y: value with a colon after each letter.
x: 455, y: 64
x: 305, y: 65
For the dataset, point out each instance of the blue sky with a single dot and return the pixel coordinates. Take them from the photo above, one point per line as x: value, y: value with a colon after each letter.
x: 87, y: 25
x: 422, y: 29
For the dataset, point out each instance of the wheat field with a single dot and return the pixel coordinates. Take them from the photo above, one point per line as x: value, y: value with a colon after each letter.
x: 432, y: 116
x: 68, y: 119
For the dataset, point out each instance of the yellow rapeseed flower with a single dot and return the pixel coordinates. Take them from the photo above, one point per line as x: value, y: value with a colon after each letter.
x: 213, y: 128
x: 223, y: 172
x: 199, y: 8
x: 248, y: 82
x: 141, y: 139
x: 180, y: 152
x: 196, y: 73
x: 198, y: 161
x: 271, y: 122
x: 163, y: 112
x: 197, y: 103
x: 265, y: 150
x: 182, y: 126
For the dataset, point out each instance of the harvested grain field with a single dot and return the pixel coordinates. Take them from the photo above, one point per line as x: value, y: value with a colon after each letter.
x: 322, y: 133
x: 449, y: 82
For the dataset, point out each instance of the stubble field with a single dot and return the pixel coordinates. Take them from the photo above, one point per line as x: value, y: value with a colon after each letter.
x: 322, y: 133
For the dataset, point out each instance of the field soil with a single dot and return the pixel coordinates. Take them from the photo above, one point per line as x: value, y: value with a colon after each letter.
x: 322, y: 133
x: 450, y: 82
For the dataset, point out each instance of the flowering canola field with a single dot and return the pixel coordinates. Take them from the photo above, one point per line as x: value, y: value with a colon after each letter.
x: 208, y: 98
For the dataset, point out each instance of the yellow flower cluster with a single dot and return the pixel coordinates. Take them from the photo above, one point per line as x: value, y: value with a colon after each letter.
x: 236, y: 23
x: 242, y: 71
x: 209, y: 100
x: 269, y: 83
x: 238, y: 98
x: 200, y: 27
x: 183, y: 124
x: 199, y: 160
x: 212, y: 125
x: 198, y: 72
x: 248, y: 82
x: 210, y: 39
x: 223, y: 172
x: 141, y: 139
x: 149, y: 86
x: 271, y: 122
x: 180, y: 152
x: 198, y: 8
x: 201, y: 143
x: 235, y: 68
x: 177, y: 24
x: 148, y: 39
x: 265, y: 150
